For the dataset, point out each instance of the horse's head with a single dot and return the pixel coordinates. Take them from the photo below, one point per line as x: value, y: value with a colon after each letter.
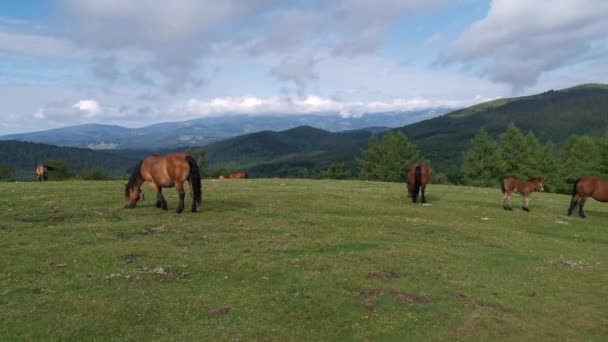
x: 540, y: 185
x: 132, y: 196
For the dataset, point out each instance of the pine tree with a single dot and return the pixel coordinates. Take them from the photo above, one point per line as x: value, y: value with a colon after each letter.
x: 546, y: 166
x: 336, y: 171
x: 576, y: 160
x: 480, y: 165
x: 60, y: 170
x: 530, y: 165
x: 388, y: 160
x: 513, y: 153
x: 602, y: 146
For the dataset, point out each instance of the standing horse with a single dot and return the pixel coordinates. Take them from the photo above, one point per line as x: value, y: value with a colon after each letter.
x: 585, y: 187
x: 510, y: 185
x: 42, y: 172
x: 238, y: 175
x: 417, y: 178
x: 165, y: 172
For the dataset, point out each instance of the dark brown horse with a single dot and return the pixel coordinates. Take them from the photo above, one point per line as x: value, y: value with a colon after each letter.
x: 585, y: 187
x: 42, y: 172
x: 417, y: 178
x: 238, y: 175
x: 165, y: 172
x: 511, y: 185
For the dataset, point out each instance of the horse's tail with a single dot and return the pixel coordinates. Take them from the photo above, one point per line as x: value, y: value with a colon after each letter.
x: 195, y: 179
x: 502, y: 186
x: 574, y: 191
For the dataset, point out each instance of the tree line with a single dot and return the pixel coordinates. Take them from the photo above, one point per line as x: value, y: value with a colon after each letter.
x: 523, y: 156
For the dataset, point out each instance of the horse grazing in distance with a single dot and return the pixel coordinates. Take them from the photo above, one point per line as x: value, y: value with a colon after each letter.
x: 42, y: 172
x: 417, y: 178
x: 165, y: 172
x: 585, y: 187
x: 238, y: 175
x: 510, y: 185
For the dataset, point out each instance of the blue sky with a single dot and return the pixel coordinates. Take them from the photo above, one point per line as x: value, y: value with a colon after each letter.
x: 139, y: 62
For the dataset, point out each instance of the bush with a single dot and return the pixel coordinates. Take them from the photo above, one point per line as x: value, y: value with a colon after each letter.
x: 93, y: 174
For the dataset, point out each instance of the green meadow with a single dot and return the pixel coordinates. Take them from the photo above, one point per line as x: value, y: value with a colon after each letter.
x: 295, y: 260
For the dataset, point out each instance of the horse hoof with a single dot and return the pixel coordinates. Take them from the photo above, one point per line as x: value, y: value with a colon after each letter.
x: 526, y: 209
x: 179, y: 211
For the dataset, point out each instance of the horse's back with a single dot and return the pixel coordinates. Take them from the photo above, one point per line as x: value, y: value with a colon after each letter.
x: 593, y: 186
x: 165, y: 170
x: 238, y: 175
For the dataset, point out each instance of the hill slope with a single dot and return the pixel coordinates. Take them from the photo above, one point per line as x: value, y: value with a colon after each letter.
x: 553, y: 115
x: 25, y: 156
x: 288, y: 153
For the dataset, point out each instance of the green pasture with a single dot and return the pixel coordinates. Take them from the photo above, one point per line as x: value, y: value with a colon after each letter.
x: 299, y: 260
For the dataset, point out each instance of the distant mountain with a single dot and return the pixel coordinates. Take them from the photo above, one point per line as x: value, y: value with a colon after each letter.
x: 24, y: 157
x: 296, y: 152
x: 198, y: 132
x: 443, y: 140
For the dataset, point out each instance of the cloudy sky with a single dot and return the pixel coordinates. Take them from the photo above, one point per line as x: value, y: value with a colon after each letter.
x: 138, y: 62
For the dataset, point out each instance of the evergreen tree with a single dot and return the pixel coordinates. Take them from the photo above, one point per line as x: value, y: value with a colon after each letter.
x: 531, y: 164
x: 546, y: 166
x: 576, y: 160
x: 7, y: 173
x: 60, y: 170
x: 388, y: 160
x: 480, y: 164
x: 513, y: 153
x: 602, y: 146
x: 201, y: 160
x: 336, y: 171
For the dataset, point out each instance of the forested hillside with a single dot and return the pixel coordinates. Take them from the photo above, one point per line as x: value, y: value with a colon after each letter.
x: 23, y: 157
x: 553, y: 115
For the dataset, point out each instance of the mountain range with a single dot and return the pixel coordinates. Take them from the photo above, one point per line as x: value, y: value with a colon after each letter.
x: 202, y: 131
x: 305, y: 150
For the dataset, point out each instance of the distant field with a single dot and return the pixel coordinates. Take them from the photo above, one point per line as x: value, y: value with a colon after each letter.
x: 299, y: 260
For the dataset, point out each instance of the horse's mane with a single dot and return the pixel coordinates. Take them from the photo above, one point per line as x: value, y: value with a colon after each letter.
x: 133, y: 179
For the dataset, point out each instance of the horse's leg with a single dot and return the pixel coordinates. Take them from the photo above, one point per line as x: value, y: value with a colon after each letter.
x: 160, y: 200
x: 509, y: 207
x: 573, y: 203
x: 193, y: 209
x: 179, y: 187
x: 581, y: 203
x: 526, y: 201
x: 422, y: 190
x: 504, y: 201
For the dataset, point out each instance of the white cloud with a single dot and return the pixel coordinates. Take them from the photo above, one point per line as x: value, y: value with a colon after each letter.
x: 252, y: 105
x: 90, y: 107
x: 519, y: 40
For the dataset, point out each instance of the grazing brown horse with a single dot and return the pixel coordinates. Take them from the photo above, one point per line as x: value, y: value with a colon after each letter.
x: 165, y: 172
x: 42, y: 172
x: 417, y: 178
x: 238, y: 175
x: 510, y: 185
x: 585, y: 187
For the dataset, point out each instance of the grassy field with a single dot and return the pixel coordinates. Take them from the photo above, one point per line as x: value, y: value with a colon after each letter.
x: 299, y: 260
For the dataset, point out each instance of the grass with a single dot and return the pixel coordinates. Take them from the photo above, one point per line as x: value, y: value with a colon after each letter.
x: 299, y: 260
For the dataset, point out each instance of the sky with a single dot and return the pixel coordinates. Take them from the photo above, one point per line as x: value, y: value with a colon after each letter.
x: 139, y: 62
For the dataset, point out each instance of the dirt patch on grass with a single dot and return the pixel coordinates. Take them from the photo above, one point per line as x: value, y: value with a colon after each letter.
x: 143, y: 271
x: 470, y: 301
x: 398, y: 296
x: 132, y: 257
x: 385, y: 276
x: 220, y: 312
x: 409, y: 298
